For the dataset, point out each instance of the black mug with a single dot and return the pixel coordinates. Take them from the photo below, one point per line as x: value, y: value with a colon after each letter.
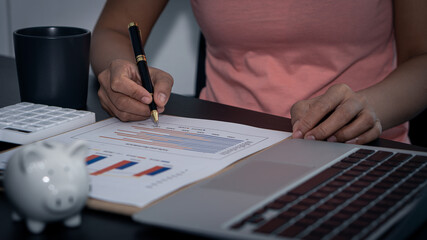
x: 53, y: 65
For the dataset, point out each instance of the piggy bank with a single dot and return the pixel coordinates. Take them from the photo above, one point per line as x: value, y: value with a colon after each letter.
x: 47, y: 181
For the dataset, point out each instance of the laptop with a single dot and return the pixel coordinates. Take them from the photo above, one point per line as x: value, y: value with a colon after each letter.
x: 301, y: 189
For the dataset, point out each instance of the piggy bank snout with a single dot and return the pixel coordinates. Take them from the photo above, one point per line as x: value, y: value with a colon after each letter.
x: 65, y: 199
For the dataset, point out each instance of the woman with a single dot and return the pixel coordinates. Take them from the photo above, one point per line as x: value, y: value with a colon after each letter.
x: 342, y: 70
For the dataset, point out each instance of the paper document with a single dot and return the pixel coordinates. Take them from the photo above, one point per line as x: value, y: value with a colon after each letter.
x: 135, y: 163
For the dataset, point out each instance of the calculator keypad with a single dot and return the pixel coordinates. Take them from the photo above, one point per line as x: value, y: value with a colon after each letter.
x: 29, y: 118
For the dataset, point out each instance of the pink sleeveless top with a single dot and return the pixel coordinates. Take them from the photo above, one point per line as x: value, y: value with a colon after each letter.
x: 267, y: 55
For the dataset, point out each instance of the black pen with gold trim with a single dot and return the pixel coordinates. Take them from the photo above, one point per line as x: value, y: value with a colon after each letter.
x: 141, y: 62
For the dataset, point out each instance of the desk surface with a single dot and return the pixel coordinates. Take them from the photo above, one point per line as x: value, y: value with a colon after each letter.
x: 99, y: 225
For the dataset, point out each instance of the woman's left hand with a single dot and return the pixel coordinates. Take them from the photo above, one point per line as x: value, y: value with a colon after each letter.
x: 339, y: 115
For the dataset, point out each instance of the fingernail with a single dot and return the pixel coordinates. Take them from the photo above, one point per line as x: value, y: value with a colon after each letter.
x: 162, y: 97
x: 310, y: 137
x: 297, y: 134
x: 331, y: 139
x: 146, y: 100
x: 352, y: 141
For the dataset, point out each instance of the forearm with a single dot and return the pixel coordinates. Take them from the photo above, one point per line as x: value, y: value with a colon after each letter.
x: 108, y: 45
x: 110, y: 39
x: 401, y: 95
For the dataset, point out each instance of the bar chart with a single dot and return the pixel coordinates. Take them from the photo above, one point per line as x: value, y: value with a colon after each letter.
x: 167, y: 138
x: 123, y: 168
x: 173, y: 138
x: 93, y: 159
x: 119, y: 166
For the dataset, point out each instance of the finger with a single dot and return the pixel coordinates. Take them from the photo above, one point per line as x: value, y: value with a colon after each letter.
x: 318, y: 109
x: 102, y: 96
x: 128, y: 108
x: 298, y: 111
x: 128, y: 97
x: 364, y: 121
x: 123, y: 107
x: 163, y: 83
x: 340, y: 117
x: 123, y: 84
x: 369, y: 135
x: 129, y: 116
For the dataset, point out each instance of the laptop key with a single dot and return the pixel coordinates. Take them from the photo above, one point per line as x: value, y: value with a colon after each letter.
x: 287, y: 198
x: 384, y: 168
x: 275, y: 205
x: 351, y: 230
x: 365, y: 151
x: 361, y: 153
x: 351, y: 160
x: 360, y: 183
x: 367, y: 163
x: 288, y: 215
x: 376, y: 191
x: 306, y: 221
x: 380, y: 156
x: 317, y: 214
x: 376, y: 173
x: 419, y: 159
x: 271, y: 225
x: 315, y: 181
x: 416, y: 179
x: 400, y: 157
x: 309, y: 201
x: 400, y: 173
x: 327, y: 207
x: 353, y: 172
x: 299, y: 207
x: 352, y: 189
x: 361, y: 168
x: 292, y: 231
x: 351, y: 209
x: 336, y: 184
x: 256, y: 218
x: 369, y: 178
x: 413, y: 164
x: 345, y: 178
x: 317, y: 233
x: 341, y: 216
x: 342, y: 165
x: 324, y: 228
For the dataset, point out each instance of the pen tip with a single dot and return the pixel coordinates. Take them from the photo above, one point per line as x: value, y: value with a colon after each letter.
x: 155, y: 116
x: 132, y: 24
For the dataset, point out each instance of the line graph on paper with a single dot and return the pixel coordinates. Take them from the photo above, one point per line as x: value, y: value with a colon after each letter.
x: 172, y: 138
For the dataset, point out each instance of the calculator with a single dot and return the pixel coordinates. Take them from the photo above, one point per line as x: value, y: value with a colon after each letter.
x: 25, y: 122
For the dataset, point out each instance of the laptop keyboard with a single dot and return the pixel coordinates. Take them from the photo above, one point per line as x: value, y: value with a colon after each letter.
x: 348, y: 200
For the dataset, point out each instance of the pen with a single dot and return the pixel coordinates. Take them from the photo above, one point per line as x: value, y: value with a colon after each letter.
x: 141, y: 62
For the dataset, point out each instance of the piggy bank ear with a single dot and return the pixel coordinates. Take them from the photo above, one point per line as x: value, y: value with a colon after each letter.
x: 30, y: 157
x: 78, y: 149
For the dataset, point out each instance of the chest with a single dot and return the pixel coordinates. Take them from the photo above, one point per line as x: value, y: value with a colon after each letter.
x: 258, y: 24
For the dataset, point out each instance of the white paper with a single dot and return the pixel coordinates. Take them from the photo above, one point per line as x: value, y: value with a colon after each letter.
x: 135, y: 163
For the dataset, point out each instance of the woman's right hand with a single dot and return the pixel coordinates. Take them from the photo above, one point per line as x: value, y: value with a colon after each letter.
x: 122, y: 95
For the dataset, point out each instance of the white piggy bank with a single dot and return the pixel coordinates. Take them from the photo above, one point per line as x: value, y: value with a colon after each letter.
x: 48, y: 181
